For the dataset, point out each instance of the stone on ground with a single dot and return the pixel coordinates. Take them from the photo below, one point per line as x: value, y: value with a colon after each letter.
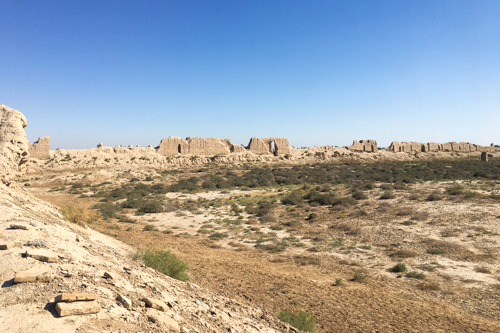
x: 42, y: 255
x: 6, y: 246
x: 77, y: 308
x: 156, y: 304
x: 74, y: 297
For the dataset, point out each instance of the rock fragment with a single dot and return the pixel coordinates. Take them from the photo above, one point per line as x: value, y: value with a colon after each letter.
x: 6, y: 246
x: 27, y: 277
x: 74, y: 297
x: 108, y: 275
x: 163, y: 320
x: 42, y: 255
x: 155, y: 304
x: 127, y: 303
x: 77, y: 308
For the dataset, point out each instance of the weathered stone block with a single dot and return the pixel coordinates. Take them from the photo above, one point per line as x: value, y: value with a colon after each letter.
x: 484, y: 156
x: 6, y: 246
x: 74, y: 297
x: 156, y: 304
x: 108, y: 275
x: 27, y: 277
x: 77, y: 308
x: 42, y: 255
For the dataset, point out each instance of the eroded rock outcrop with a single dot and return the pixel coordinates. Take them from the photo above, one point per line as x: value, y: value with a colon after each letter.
x: 40, y: 149
x: 14, y: 146
x: 364, y: 145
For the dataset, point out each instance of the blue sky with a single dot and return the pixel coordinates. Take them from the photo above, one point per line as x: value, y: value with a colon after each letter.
x: 316, y: 72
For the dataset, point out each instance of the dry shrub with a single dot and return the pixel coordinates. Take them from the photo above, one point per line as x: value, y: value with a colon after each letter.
x: 429, y: 286
x: 211, y: 244
x: 349, y: 228
x: 359, y: 212
x: 404, y: 254
x: 252, y: 221
x: 79, y: 215
x: 314, y: 249
x: 450, y: 232
x: 420, y: 216
x: 482, y: 269
x: 306, y: 260
x: 348, y: 262
x: 404, y: 212
x: 414, y: 196
x: 384, y: 207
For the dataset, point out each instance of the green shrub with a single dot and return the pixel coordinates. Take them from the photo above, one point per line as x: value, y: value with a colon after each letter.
x: 358, y: 195
x: 292, y: 199
x: 107, y: 209
x: 301, y: 320
x: 399, y: 268
x: 151, y: 207
x: 165, y: 262
x: 218, y: 235
x: 150, y: 227
x: 436, y: 251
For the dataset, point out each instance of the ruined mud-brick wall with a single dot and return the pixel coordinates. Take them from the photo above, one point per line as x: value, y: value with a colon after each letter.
x: 210, y: 146
x: 14, y: 146
x: 214, y: 146
x: 364, y: 145
x: 264, y: 146
x: 172, y: 145
x: 411, y: 147
x: 40, y: 149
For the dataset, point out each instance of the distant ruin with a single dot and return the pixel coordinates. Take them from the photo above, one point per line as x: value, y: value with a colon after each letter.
x: 174, y: 145
x: 40, y: 149
x: 410, y: 147
x: 271, y: 146
x: 364, y: 146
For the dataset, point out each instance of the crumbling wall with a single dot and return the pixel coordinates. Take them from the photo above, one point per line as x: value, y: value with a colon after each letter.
x: 172, y: 145
x: 14, y: 146
x: 237, y: 148
x: 210, y: 146
x: 258, y: 147
x: 281, y: 146
x: 410, y: 147
x: 364, y: 145
x: 40, y: 149
x: 269, y: 146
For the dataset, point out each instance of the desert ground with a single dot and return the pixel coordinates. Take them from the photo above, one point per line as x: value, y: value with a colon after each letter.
x: 363, y: 246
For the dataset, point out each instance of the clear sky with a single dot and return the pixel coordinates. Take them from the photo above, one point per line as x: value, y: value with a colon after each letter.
x: 316, y: 72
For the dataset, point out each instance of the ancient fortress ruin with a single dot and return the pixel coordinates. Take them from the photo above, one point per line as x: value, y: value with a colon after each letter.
x: 174, y: 145
x: 411, y: 147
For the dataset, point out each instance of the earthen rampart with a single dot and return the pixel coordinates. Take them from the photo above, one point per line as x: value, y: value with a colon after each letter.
x: 412, y: 147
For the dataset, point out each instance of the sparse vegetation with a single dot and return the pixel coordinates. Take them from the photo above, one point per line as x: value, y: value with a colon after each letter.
x: 301, y: 320
x: 165, y: 262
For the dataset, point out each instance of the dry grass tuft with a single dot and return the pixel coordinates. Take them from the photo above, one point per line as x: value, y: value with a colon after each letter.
x: 482, y: 269
x: 79, y: 215
x: 429, y: 286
